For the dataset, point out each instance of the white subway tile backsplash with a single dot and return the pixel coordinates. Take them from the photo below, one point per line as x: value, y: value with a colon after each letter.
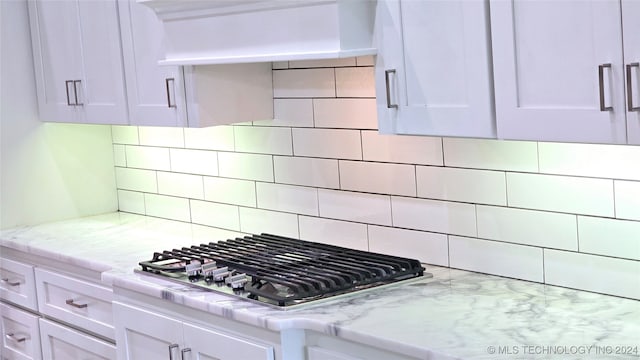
x: 468, y: 185
x: 491, y: 154
x: 427, y: 247
x: 401, y: 149
x: 289, y: 198
x: 145, y: 157
x: 327, y: 143
x: 561, y: 193
x: 131, y: 201
x: 203, y: 162
x: 341, y: 62
x: 161, y: 136
x: 315, y: 172
x: 334, y: 232
x: 280, y: 65
x: 119, y: 155
x: 434, y: 215
x: 265, y: 140
x: 365, y: 208
x: 256, y: 221
x: 230, y: 191
x: 290, y: 112
x: 627, y: 195
x: 304, y: 83
x: 355, y: 82
x: 366, y: 60
x: 122, y: 134
x: 213, y: 214
x: 345, y: 113
x: 593, y: 273
x: 209, y: 138
x: 136, y: 180
x: 618, y: 238
x: 491, y: 257
x: 528, y: 227
x: 606, y: 161
x: 167, y: 207
x: 183, y: 185
x: 382, y: 178
x: 245, y: 166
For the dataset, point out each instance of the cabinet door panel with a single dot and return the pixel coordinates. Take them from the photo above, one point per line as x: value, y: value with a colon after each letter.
x: 546, y: 56
x: 62, y: 343
x: 631, y: 30
x: 18, y: 284
x: 208, y: 344
x: 20, y: 334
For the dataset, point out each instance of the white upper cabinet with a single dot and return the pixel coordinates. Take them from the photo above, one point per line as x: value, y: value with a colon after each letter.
x: 558, y: 68
x: 433, y: 69
x: 78, y: 61
x: 631, y: 29
x: 155, y: 93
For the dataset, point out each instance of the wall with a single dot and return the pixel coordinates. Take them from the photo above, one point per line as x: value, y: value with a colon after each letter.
x: 48, y: 172
x: 564, y: 214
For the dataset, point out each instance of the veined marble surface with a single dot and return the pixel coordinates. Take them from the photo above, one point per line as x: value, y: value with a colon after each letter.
x: 454, y: 315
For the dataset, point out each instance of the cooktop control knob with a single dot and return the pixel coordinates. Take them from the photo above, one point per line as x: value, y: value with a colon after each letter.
x: 237, y: 281
x: 207, y: 271
x: 220, y: 274
x: 193, y: 270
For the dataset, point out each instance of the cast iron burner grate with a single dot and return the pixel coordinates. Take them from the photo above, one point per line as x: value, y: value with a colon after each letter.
x: 281, y: 270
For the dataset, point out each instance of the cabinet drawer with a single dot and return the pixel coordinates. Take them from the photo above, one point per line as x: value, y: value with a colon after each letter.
x: 20, y: 334
x: 17, y: 283
x: 60, y: 342
x: 75, y: 301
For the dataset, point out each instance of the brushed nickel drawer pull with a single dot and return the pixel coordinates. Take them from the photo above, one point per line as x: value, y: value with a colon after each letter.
x: 166, y: 83
x: 13, y: 337
x: 601, y: 68
x: 184, y: 351
x: 171, y: 348
x: 11, y: 283
x: 386, y: 81
x: 66, y: 85
x: 630, y: 106
x: 79, y: 306
x: 75, y: 91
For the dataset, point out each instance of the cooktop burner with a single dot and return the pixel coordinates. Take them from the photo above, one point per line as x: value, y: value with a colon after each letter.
x: 280, y: 271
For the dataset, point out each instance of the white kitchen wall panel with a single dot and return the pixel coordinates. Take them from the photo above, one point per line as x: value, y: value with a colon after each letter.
x: 585, y: 196
x: 528, y: 227
x: 322, y: 173
x: 246, y: 166
x: 264, y: 140
x: 131, y: 201
x: 183, y: 185
x: 433, y: 66
x: 334, y: 232
x: 359, y: 207
x: 433, y: 215
x: 214, y: 214
x: 125, y: 135
x: 161, y: 136
x: 492, y: 257
x: 167, y: 207
x: 119, y: 155
x: 291, y: 113
x: 202, y: 162
x: 210, y: 138
x: 631, y: 42
x: 593, y: 160
x: 401, y: 149
x: 304, y: 83
x: 146, y: 157
x: 558, y: 94
x: 381, y: 178
x: 345, y: 144
x: 357, y: 113
x: 430, y: 248
x: 136, y: 180
x: 627, y: 199
x: 287, y: 198
x: 519, y: 156
x: 355, y: 82
x: 256, y: 221
x: 605, y: 274
x: 230, y: 191
x: 477, y: 186
x: 616, y: 238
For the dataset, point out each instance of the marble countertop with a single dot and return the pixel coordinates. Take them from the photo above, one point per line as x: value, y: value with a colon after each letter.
x: 454, y: 315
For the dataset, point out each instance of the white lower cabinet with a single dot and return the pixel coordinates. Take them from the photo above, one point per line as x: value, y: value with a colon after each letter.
x: 20, y: 334
x: 63, y: 343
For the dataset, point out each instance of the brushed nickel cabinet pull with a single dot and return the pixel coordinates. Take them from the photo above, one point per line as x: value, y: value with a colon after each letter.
x: 184, y: 351
x: 66, y: 85
x: 166, y: 82
x: 386, y: 81
x: 601, y: 68
x: 75, y: 91
x: 79, y: 306
x: 630, y: 106
x: 11, y: 283
x: 171, y: 348
x: 12, y: 337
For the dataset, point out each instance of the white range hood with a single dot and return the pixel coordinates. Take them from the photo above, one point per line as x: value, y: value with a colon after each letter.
x: 245, y: 31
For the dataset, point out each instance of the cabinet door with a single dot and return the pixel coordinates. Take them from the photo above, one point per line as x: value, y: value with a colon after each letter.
x: 547, y: 59
x: 18, y: 284
x: 142, y: 334
x: 155, y: 93
x: 433, y: 74
x: 62, y: 343
x: 204, y: 344
x: 631, y: 30
x: 20, y: 334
